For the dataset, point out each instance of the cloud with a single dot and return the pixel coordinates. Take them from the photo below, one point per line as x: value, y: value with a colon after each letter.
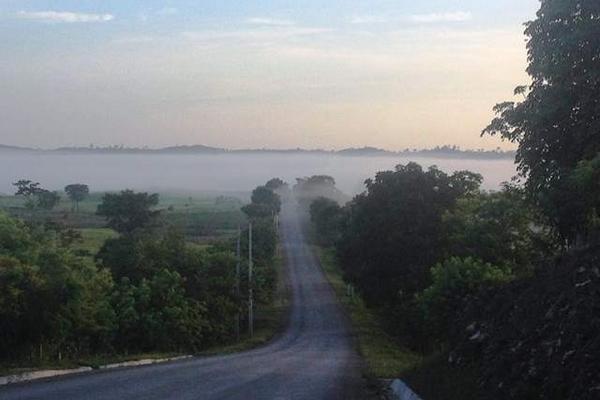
x: 64, y: 16
x: 458, y: 16
x: 274, y: 33
x: 368, y: 19
x: 135, y: 39
x: 167, y: 11
x: 269, y: 21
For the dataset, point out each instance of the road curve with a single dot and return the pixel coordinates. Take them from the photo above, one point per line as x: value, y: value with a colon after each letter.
x: 313, y: 359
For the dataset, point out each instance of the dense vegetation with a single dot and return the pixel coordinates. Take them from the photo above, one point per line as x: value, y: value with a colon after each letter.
x: 146, y: 288
x: 416, y: 242
x: 500, y: 287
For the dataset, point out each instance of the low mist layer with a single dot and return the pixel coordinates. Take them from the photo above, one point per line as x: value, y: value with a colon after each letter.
x: 217, y: 173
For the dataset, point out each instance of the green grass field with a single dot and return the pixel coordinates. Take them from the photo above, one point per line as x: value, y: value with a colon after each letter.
x: 201, y: 217
x: 93, y: 239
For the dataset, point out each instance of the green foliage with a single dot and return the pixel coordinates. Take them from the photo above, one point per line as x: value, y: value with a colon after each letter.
x: 170, y: 295
x: 48, y: 297
x: 16, y: 240
x: 35, y: 195
x: 585, y: 181
x: 453, y: 280
x: 500, y: 228
x: 257, y: 211
x: 309, y: 189
x: 393, y: 232
x: 157, y: 315
x: 77, y: 192
x: 47, y: 200
x: 128, y: 211
x: 275, y: 184
x: 265, y: 203
x: 556, y: 125
x: 26, y: 188
x: 326, y: 215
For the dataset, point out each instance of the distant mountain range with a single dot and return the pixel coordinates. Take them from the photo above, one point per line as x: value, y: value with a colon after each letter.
x: 443, y: 151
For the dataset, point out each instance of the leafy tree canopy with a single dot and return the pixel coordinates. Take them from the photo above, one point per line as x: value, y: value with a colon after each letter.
x: 128, y: 210
x: 556, y: 125
x: 77, y: 192
x: 393, y: 231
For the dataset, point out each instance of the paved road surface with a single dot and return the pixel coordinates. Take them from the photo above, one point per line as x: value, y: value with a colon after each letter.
x: 312, y: 360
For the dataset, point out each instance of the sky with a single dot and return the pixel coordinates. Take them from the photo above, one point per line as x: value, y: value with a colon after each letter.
x: 393, y: 74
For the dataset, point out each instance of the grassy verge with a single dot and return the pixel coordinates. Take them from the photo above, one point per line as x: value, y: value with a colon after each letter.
x: 94, y: 361
x: 431, y: 377
x: 384, y: 356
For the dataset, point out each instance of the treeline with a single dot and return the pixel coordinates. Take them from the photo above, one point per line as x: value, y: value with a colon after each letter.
x: 417, y: 242
x: 503, y: 283
x: 146, y: 290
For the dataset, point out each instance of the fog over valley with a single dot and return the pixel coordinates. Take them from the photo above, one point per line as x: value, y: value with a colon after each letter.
x: 219, y: 173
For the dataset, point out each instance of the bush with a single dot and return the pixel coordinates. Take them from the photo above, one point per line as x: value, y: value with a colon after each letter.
x: 452, y: 282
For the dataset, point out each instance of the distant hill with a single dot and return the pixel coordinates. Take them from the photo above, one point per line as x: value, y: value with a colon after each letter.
x: 365, y: 151
x: 5, y: 148
x: 437, y: 152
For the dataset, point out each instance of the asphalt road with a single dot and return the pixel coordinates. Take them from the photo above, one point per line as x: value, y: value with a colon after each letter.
x: 313, y: 359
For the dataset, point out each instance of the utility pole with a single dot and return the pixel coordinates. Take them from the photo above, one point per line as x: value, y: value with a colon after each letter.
x: 250, y: 294
x: 237, y: 283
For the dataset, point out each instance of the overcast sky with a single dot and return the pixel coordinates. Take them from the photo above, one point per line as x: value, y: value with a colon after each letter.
x: 279, y: 73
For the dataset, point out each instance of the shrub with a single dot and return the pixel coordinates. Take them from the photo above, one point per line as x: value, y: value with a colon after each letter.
x: 453, y: 280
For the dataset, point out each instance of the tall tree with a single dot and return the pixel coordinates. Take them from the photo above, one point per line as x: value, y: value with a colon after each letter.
x: 326, y: 215
x: 393, y: 231
x: 128, y: 210
x: 265, y: 203
x: 77, y: 192
x: 557, y: 124
x: 266, y: 196
x: 28, y: 189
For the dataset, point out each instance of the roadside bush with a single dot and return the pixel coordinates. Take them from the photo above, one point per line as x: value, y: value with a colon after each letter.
x: 453, y: 280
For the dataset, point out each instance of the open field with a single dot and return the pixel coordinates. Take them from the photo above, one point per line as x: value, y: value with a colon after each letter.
x: 203, y: 218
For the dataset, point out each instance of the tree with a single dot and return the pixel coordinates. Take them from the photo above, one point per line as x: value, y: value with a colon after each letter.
x: 308, y: 189
x: 128, y: 211
x: 556, y: 125
x: 47, y: 199
x: 501, y: 228
x: 34, y: 193
x: 256, y: 211
x: 452, y: 281
x: 393, y: 232
x: 275, y: 184
x: 77, y: 192
x: 326, y: 215
x: 50, y: 299
x: 264, y: 195
x: 265, y: 203
x: 28, y: 190
x: 585, y: 180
